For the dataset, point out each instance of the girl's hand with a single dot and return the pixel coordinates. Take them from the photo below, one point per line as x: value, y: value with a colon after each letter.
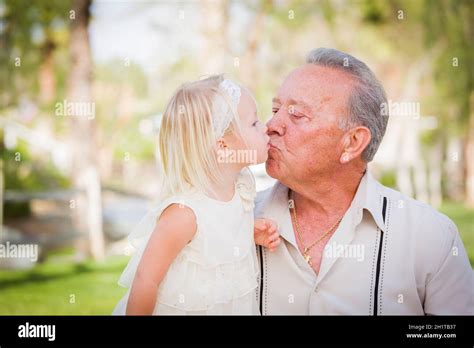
x: 266, y: 233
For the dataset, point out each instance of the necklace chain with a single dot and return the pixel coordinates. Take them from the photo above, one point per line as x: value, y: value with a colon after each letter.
x: 306, y: 250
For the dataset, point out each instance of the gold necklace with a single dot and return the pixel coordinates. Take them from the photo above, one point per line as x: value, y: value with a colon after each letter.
x: 306, y: 255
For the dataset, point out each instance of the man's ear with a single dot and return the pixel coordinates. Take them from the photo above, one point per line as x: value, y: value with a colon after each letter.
x: 354, y: 143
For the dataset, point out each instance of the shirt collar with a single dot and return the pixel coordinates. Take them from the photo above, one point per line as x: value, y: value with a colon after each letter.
x: 367, y: 198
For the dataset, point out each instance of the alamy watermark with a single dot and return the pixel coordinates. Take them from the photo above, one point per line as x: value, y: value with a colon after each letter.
x: 20, y: 251
x: 237, y: 156
x: 75, y: 109
x: 28, y: 330
x: 400, y: 109
x: 336, y: 250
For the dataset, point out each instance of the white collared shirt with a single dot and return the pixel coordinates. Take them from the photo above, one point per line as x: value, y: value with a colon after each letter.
x: 390, y: 255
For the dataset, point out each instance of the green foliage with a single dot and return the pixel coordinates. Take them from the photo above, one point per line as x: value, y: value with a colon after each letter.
x: 115, y: 81
x: 294, y: 15
x: 374, y: 11
x: 117, y: 73
x: 389, y: 179
x: 131, y: 141
x: 25, y: 173
x: 33, y: 174
x: 451, y: 25
x: 29, y: 28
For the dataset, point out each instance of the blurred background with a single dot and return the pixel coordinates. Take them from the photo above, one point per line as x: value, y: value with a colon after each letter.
x: 84, y: 83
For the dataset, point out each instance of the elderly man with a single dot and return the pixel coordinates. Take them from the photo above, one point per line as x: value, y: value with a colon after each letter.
x: 350, y: 245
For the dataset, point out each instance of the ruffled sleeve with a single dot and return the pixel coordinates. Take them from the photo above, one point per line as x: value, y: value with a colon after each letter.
x: 246, y: 188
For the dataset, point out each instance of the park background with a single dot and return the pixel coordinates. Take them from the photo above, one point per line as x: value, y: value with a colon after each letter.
x: 77, y: 185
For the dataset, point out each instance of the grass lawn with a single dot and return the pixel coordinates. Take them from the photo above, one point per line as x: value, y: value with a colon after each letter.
x: 47, y: 289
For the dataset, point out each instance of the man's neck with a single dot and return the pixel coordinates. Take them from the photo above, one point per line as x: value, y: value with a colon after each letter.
x: 329, y: 195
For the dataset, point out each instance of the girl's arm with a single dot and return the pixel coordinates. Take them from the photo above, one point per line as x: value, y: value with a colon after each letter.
x: 175, y: 228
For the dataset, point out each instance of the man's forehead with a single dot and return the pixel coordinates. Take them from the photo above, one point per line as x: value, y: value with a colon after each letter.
x: 313, y: 74
x: 314, y: 82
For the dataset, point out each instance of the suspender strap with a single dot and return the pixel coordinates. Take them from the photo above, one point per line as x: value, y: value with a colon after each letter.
x: 379, y: 257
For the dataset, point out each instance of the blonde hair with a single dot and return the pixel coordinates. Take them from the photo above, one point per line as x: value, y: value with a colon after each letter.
x: 187, y: 143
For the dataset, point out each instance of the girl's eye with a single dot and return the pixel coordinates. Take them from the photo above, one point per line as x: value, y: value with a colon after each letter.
x: 254, y: 124
x: 274, y: 111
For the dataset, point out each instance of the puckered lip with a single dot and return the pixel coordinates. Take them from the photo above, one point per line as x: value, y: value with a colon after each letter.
x: 273, y: 146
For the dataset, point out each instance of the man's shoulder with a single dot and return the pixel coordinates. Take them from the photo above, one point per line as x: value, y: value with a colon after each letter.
x: 409, y: 205
x: 422, y: 219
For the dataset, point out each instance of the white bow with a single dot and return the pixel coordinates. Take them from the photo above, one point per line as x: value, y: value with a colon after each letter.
x: 222, y: 112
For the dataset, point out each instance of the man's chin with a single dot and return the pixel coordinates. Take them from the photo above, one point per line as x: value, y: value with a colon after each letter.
x: 271, y: 168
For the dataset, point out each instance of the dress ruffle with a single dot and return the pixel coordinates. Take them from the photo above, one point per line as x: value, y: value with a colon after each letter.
x: 189, y: 286
x: 247, y: 189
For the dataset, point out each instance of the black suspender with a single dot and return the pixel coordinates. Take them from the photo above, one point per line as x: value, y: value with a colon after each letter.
x: 260, y: 253
x: 379, y: 256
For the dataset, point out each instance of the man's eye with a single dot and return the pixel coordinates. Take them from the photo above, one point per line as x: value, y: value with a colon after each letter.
x: 294, y: 112
x: 254, y: 124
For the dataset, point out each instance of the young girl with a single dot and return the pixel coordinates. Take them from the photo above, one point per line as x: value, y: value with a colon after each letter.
x: 195, y: 251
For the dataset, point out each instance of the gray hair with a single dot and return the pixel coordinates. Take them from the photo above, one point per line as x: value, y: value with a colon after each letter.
x: 366, y: 100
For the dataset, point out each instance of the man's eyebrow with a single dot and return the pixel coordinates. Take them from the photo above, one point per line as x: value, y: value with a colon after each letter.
x: 292, y: 102
x: 299, y: 102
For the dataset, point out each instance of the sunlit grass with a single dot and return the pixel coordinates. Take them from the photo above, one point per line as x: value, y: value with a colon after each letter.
x: 50, y: 287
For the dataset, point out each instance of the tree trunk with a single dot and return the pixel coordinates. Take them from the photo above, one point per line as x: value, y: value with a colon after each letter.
x: 85, y: 173
x: 453, y: 169
x: 47, y: 83
x: 215, y: 26
x: 250, y: 72
x: 435, y: 159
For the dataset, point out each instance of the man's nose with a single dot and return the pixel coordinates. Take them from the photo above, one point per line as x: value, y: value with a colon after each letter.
x: 276, y: 124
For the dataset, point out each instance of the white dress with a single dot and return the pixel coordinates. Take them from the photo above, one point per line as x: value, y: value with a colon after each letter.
x: 215, y: 273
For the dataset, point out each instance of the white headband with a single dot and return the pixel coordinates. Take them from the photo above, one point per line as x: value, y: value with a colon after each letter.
x: 222, y: 112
